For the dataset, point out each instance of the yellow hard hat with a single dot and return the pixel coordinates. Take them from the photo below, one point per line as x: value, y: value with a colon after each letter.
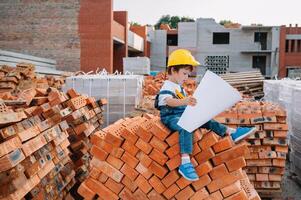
x: 181, y: 57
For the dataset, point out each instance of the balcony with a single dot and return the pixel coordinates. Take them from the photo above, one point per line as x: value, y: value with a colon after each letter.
x: 118, y: 32
x: 135, y: 42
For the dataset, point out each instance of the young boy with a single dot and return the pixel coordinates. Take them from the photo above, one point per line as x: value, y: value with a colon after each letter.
x: 172, y: 102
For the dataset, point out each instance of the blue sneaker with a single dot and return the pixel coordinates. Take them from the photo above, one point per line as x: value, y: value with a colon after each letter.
x: 242, y: 132
x: 188, y: 172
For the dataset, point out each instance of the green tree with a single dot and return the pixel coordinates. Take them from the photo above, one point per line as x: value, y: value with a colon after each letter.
x: 223, y: 22
x: 135, y: 24
x: 172, y: 21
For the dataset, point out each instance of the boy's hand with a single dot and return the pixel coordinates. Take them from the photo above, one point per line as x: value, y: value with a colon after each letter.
x: 190, y: 101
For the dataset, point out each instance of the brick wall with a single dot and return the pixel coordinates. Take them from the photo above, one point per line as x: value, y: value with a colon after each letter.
x: 45, y: 28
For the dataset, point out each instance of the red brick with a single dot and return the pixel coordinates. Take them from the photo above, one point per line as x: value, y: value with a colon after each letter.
x: 144, y: 159
x: 275, y: 177
x: 208, y: 140
x: 144, y: 134
x: 10, y: 145
x: 129, y: 172
x: 173, y: 151
x: 200, y: 194
x: 197, y: 135
x: 278, y: 162
x: 99, y: 153
x: 143, y: 184
x: 236, y: 164
x: 86, y: 192
x: 202, y: 182
x: 262, y: 177
x: 216, y: 196
x: 230, y: 154
x: 160, y: 131
x: 114, y: 186
x: 130, y: 148
x: 203, y: 169
x: 170, y: 178
x: 221, y: 182
x: 185, y: 194
x: 158, y: 157
x: 204, y: 155
x: 238, y: 196
x: 129, y: 160
x: 157, y: 184
x: 173, y: 139
x: 107, y: 169
x: 174, y: 162
x: 171, y: 191
x: 113, y: 139
x: 231, y: 189
x: 158, y: 144
x: 143, y: 146
x: 102, y: 178
x: 117, y: 152
x: 131, y: 185
x: 158, y: 170
x: 144, y: 171
x: 153, y: 195
x: 218, y: 171
x: 126, y: 194
x: 182, y: 183
x: 94, y: 173
x: 223, y: 144
x: 139, y: 195
x: 129, y: 136
x: 115, y: 162
x: 196, y: 149
x: 100, y: 189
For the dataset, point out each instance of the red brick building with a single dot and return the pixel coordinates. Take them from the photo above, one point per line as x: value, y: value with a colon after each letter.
x: 289, y: 51
x: 78, y: 34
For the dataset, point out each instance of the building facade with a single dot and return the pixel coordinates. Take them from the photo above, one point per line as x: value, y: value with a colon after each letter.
x: 78, y: 34
x: 290, y: 51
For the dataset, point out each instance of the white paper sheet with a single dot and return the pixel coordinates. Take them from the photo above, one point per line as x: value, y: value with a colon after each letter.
x: 213, y: 95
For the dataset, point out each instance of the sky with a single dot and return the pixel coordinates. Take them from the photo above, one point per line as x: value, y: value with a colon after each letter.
x: 266, y: 12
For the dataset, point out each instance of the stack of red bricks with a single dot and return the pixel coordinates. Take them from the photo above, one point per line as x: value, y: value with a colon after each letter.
x: 37, y: 138
x: 268, y: 146
x: 137, y: 159
x: 153, y: 84
x: 14, y: 80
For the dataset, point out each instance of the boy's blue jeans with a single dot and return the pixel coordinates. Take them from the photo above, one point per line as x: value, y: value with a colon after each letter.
x: 185, y: 137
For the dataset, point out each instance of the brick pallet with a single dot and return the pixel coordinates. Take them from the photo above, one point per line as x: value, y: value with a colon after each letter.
x: 268, y: 146
x: 137, y: 158
x: 36, y: 139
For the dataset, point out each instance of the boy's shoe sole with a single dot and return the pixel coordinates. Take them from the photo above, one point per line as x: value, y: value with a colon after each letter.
x: 189, y: 179
x: 253, y: 130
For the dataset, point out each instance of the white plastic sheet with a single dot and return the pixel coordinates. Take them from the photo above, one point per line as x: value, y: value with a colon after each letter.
x: 213, y: 96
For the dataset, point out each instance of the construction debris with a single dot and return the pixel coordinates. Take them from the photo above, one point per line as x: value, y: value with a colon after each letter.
x: 248, y: 83
x: 137, y: 158
x: 268, y: 146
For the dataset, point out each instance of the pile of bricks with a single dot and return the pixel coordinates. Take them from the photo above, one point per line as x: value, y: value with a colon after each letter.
x: 138, y: 158
x: 42, y: 144
x: 153, y: 84
x: 268, y: 146
x: 14, y: 80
